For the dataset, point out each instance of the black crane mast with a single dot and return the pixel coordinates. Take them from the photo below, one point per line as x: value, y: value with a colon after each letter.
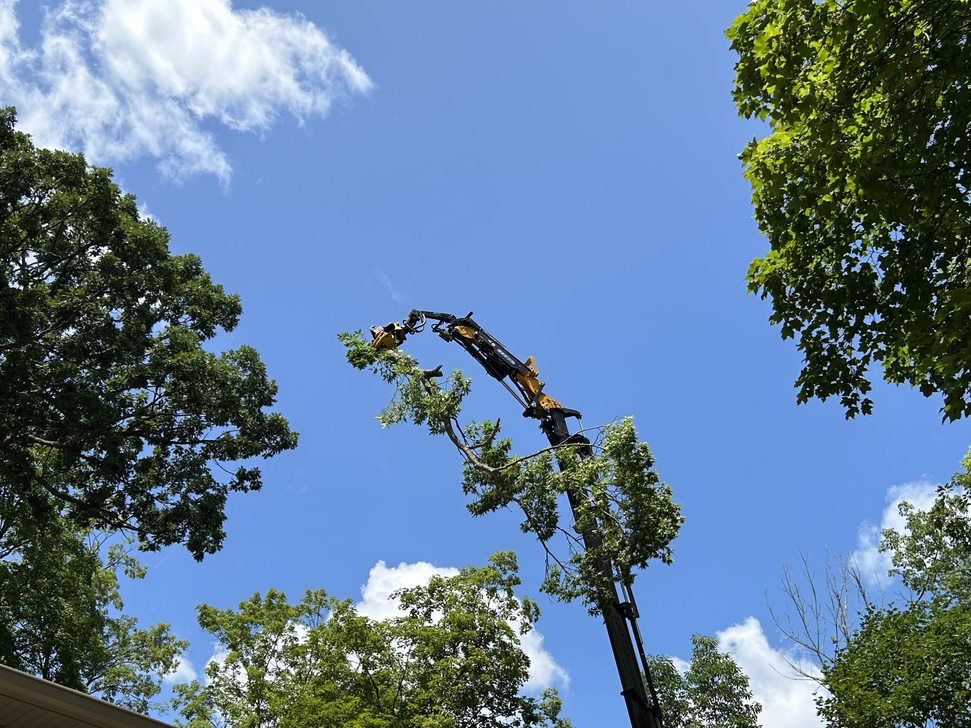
x: 522, y: 381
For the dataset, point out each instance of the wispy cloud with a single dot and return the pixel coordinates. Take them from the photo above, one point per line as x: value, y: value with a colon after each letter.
x: 396, y: 295
x: 874, y: 566
x: 145, y: 214
x: 121, y: 79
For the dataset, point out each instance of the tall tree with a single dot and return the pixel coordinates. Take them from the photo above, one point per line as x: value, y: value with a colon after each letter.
x: 61, y: 613
x: 862, y: 188
x: 910, y: 665
x: 906, y: 663
x: 113, y: 411
x: 712, y: 693
x: 452, y: 659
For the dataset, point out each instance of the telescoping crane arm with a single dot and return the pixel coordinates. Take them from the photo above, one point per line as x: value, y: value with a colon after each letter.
x: 497, y: 360
x: 522, y: 381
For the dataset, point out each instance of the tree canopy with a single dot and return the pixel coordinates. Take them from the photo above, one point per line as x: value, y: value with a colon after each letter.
x: 904, y: 663
x: 862, y: 188
x: 910, y: 664
x: 451, y: 659
x: 113, y: 410
x: 712, y: 693
x: 61, y: 613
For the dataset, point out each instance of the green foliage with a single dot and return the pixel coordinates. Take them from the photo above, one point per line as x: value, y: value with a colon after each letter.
x: 673, y: 692
x: 61, y: 618
x: 452, y: 659
x: 418, y: 398
x: 617, y: 494
x: 911, y: 665
x: 862, y: 188
x: 713, y: 693
x: 110, y: 402
x: 933, y: 556
x: 906, y: 668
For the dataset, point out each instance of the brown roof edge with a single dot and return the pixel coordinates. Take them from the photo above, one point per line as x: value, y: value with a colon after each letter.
x: 72, y: 704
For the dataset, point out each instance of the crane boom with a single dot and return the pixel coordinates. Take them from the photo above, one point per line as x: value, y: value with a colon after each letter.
x: 522, y: 381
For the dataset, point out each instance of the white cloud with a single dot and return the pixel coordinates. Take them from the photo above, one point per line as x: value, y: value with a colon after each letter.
x: 383, y: 580
x: 183, y: 672
x: 682, y: 666
x: 120, y: 79
x: 218, y: 657
x: 145, y: 214
x: 544, y: 671
x: 377, y: 603
x: 874, y: 566
x: 786, y: 702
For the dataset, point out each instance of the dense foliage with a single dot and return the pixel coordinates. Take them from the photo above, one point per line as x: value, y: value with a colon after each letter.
x: 451, y: 659
x: 909, y: 665
x: 862, y: 188
x: 617, y: 493
x: 113, y: 411
x: 712, y: 693
x: 61, y: 613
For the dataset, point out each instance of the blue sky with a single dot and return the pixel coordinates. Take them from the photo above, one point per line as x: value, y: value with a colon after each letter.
x: 567, y: 171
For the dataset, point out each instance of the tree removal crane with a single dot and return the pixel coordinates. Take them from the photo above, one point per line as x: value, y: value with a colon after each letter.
x: 522, y: 381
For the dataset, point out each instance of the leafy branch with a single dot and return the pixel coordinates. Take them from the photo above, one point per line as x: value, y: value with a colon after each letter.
x: 616, y: 494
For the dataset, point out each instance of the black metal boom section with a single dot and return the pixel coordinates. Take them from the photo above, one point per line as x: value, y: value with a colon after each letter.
x: 522, y: 381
